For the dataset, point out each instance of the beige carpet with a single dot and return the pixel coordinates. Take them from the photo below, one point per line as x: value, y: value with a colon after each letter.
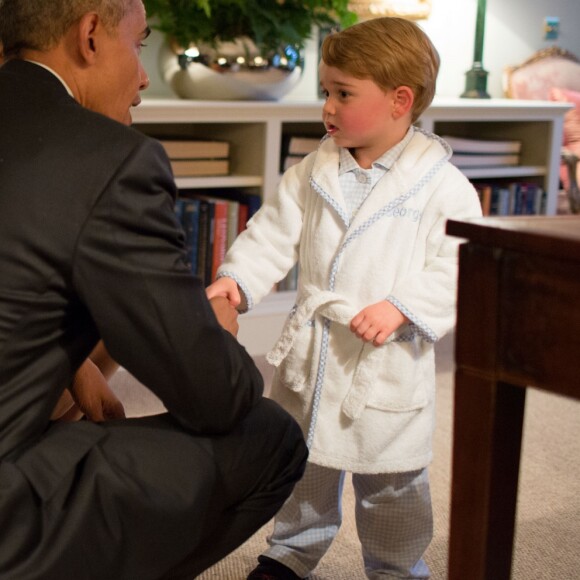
x: 548, y: 530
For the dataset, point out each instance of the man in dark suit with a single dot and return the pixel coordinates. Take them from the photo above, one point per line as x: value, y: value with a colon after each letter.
x: 90, y: 250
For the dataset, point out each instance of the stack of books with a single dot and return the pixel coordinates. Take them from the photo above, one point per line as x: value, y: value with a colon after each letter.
x: 295, y: 148
x: 515, y: 198
x: 211, y: 223
x: 190, y: 158
x: 483, y: 152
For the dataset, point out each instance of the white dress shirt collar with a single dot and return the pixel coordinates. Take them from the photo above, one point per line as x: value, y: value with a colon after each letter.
x: 55, y: 74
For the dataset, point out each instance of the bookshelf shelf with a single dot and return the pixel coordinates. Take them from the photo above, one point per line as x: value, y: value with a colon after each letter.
x: 256, y: 131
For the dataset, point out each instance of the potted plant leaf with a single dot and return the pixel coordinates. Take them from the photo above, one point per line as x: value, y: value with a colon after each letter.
x: 213, y: 47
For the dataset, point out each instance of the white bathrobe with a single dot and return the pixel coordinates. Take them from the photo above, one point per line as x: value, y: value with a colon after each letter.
x: 365, y: 409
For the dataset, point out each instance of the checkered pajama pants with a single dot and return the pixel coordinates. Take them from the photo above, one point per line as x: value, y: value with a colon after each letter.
x: 393, y: 518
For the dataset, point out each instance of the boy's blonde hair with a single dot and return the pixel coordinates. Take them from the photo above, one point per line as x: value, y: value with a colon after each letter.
x: 390, y: 51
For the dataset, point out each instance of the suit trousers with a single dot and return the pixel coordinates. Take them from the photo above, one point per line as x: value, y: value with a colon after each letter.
x: 150, y: 500
x: 256, y: 477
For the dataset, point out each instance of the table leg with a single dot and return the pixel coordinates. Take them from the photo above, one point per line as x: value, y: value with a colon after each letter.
x: 488, y: 421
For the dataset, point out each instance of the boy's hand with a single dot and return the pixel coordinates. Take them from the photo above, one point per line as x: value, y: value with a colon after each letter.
x: 377, y: 322
x: 226, y: 288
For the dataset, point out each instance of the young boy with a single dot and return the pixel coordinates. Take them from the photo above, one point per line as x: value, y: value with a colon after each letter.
x: 365, y: 217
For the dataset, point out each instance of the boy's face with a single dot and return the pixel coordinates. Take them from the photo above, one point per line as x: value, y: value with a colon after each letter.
x: 360, y: 115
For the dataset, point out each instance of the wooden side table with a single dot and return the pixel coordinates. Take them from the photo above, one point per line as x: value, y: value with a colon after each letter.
x: 518, y: 326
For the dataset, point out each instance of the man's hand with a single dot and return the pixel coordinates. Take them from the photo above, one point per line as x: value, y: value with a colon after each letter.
x: 377, y: 322
x: 226, y: 314
x: 93, y: 396
x: 66, y: 409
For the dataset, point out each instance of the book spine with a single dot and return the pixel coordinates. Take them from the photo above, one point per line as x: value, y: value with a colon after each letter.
x: 484, y: 192
x: 220, y: 236
x: 203, y: 237
x: 242, y: 217
x: 190, y: 222
x: 210, y: 240
x: 513, y: 198
x: 188, y: 149
x: 179, y: 210
x: 233, y: 219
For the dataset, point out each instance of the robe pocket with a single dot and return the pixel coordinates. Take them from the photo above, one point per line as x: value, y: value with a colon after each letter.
x: 296, y: 369
x: 395, y: 376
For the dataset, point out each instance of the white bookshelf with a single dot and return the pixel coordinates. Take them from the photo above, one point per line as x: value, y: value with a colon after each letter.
x: 255, y: 131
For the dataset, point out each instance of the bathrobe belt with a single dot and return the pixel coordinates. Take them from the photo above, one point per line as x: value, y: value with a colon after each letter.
x: 335, y: 308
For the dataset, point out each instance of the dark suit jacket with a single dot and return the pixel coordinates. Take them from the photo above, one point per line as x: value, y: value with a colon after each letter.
x: 90, y: 248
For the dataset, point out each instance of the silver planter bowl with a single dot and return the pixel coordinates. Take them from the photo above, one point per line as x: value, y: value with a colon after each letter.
x: 232, y: 71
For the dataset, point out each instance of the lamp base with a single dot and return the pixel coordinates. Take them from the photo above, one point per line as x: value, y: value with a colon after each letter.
x: 476, y: 83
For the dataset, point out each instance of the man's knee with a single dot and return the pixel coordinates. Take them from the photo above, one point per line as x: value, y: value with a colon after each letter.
x: 267, y: 449
x: 283, y: 434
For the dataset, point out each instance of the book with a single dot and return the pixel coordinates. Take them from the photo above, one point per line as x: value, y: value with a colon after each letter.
x: 190, y: 149
x: 295, y: 148
x: 233, y: 222
x: 252, y: 201
x: 484, y: 191
x: 179, y: 209
x: 298, y: 145
x: 203, y: 237
x: 209, y: 244
x: 220, y: 235
x: 504, y: 200
x: 513, y: 198
x: 462, y: 145
x: 243, y: 210
x: 199, y: 167
x: 241, y: 206
x: 492, y: 160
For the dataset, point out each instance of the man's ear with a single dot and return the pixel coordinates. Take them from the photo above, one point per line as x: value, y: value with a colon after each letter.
x: 403, y: 101
x: 89, y: 30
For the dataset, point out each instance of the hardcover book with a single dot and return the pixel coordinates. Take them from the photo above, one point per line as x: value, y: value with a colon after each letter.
x: 462, y: 145
x: 475, y: 160
x: 189, y: 149
x: 200, y: 167
x: 297, y: 145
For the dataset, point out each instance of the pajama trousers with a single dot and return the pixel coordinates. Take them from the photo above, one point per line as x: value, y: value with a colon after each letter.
x: 393, y: 518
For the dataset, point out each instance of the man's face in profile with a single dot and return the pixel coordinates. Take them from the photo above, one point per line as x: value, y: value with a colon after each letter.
x: 123, y: 75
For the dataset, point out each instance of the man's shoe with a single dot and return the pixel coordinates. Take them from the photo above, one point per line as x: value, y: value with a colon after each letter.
x: 269, y: 569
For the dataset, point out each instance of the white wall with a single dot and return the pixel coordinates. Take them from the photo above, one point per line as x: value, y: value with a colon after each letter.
x: 513, y: 32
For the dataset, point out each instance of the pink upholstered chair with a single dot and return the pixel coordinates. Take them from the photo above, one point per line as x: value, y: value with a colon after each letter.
x: 553, y: 74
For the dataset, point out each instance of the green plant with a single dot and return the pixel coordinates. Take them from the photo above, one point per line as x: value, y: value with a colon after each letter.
x: 269, y: 23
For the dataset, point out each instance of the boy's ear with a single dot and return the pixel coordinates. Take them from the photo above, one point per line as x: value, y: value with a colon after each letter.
x: 89, y: 29
x: 403, y: 101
